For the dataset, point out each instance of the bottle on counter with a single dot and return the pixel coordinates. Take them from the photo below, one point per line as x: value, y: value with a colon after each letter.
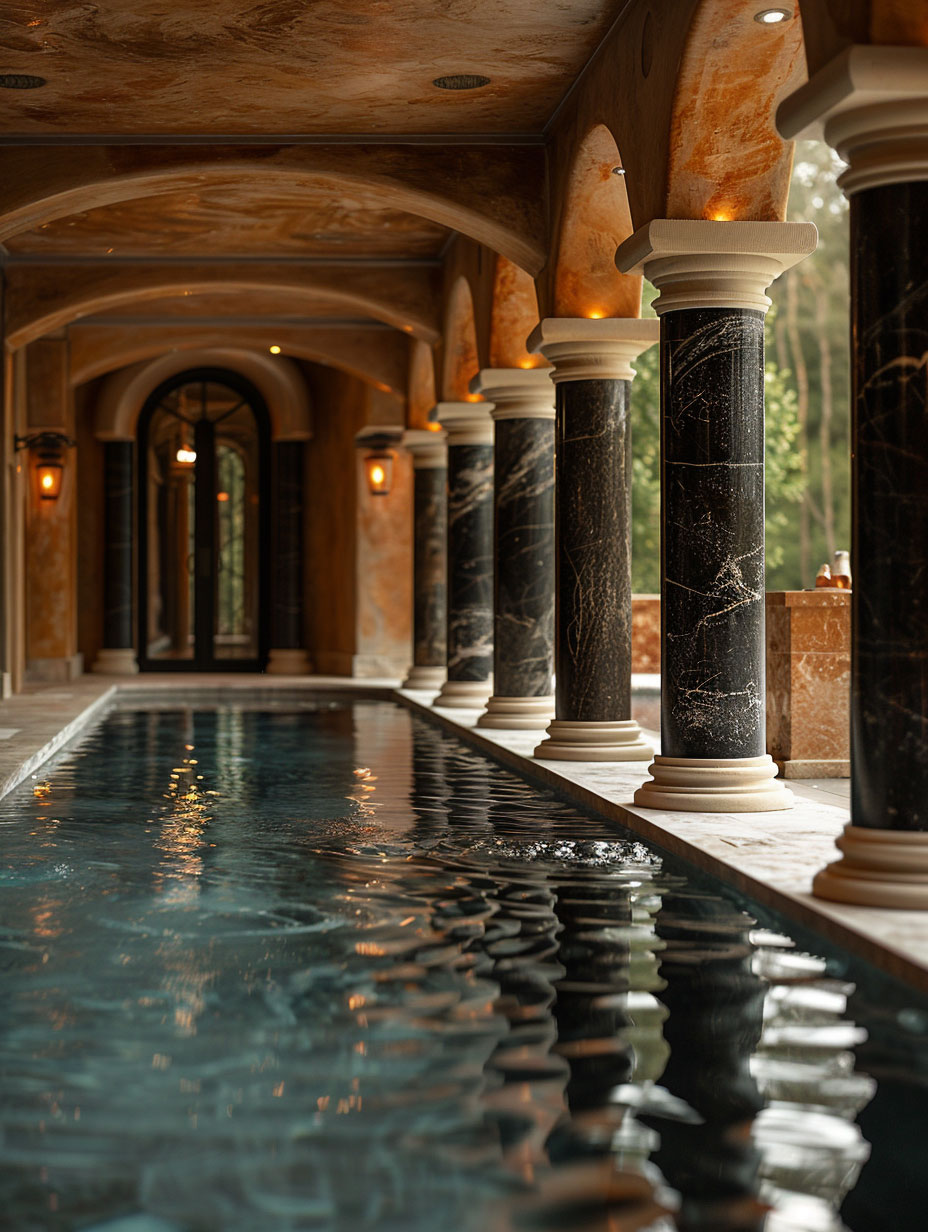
x: 841, y: 570
x: 823, y: 577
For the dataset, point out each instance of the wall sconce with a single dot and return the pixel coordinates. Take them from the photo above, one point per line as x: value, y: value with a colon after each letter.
x: 378, y: 461
x: 49, y: 449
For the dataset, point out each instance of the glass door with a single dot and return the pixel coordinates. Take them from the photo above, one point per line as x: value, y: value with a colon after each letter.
x: 203, y: 457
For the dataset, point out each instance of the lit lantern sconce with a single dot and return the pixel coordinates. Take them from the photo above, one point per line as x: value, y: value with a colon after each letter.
x: 378, y: 461
x: 49, y: 450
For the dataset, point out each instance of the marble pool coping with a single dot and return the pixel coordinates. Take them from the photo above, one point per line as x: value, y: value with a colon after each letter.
x: 771, y: 857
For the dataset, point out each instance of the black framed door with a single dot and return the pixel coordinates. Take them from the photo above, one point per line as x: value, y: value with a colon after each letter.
x: 204, y: 486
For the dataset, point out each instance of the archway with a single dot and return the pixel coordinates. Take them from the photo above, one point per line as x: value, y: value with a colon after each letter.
x: 203, y: 524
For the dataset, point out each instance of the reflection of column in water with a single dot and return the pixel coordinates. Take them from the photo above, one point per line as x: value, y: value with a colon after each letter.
x: 609, y: 1030
x: 715, y: 1004
x: 811, y: 1150
x: 892, y: 1192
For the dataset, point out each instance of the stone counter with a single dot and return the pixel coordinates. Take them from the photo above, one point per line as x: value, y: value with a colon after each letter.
x: 809, y: 682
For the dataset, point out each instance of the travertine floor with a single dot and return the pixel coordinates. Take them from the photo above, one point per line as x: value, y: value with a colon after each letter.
x: 771, y: 856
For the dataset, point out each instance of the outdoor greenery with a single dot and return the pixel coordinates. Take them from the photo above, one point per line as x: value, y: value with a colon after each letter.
x: 807, y: 397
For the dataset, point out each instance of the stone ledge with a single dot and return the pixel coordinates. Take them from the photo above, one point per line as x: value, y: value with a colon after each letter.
x: 771, y: 857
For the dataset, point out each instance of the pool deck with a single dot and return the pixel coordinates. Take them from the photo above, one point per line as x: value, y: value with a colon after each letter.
x: 770, y: 856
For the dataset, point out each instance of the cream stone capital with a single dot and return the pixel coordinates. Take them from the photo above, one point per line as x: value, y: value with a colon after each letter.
x: 698, y: 263
x: 585, y: 350
x: 516, y: 393
x: 467, y: 423
x: 872, y: 103
x: 429, y: 449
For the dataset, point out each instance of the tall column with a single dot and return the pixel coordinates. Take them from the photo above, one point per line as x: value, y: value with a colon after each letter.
x: 593, y: 640
x: 470, y: 554
x: 874, y: 102
x: 288, y: 653
x: 430, y: 527
x: 523, y: 568
x: 712, y: 278
x: 118, y: 653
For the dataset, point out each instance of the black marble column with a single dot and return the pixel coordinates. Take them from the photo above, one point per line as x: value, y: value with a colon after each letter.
x: 470, y: 558
x: 430, y: 528
x: 593, y: 558
x: 523, y: 646
x: 287, y: 594
x: 523, y: 607
x: 712, y: 542
x: 889, y: 601
x: 117, y: 551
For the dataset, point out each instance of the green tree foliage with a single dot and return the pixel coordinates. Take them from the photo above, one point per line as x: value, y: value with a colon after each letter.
x: 807, y: 391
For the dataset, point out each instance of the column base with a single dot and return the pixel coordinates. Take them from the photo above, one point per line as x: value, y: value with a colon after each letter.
x: 518, y: 713
x: 464, y: 694
x: 878, y: 868
x: 572, y: 740
x: 714, y: 785
x: 116, y: 662
x: 430, y: 678
x: 287, y: 663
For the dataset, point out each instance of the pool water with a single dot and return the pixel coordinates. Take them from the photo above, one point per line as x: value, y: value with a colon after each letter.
x: 320, y: 965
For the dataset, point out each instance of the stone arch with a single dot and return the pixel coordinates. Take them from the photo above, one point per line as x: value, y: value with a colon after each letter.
x: 279, y: 382
x: 513, y: 317
x: 595, y: 219
x: 405, y: 298
x: 489, y: 194
x: 302, y: 344
x: 461, y: 358
x: 727, y: 160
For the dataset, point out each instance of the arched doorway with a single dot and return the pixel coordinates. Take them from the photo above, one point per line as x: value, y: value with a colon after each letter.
x: 203, y: 450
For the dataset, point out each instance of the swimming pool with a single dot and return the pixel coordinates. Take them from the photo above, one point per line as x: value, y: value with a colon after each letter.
x: 318, y: 964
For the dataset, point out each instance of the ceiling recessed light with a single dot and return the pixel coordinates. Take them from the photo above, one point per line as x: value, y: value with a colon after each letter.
x: 275, y: 349
x: 461, y: 81
x: 618, y: 170
x: 772, y: 17
x: 20, y: 81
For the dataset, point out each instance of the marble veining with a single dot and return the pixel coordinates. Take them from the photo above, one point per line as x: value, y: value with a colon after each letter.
x: 713, y: 533
x: 287, y: 603
x: 593, y: 551
x: 524, y: 570
x: 117, y: 553
x: 889, y: 602
x: 470, y: 562
x: 429, y: 580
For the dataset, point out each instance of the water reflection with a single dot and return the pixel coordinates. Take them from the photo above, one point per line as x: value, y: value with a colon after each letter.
x: 460, y: 1004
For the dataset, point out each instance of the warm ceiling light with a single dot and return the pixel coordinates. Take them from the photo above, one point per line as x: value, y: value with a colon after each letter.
x: 461, y: 81
x: 275, y: 349
x: 186, y: 456
x: 772, y: 17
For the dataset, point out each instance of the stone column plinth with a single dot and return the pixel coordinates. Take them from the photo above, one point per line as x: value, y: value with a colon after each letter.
x: 523, y: 571
x: 874, y: 104
x: 592, y: 374
x: 712, y: 278
x: 430, y: 527
x: 470, y: 554
x: 288, y: 654
x: 118, y: 653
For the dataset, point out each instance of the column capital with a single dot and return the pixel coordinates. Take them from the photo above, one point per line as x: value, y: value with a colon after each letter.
x: 872, y: 103
x: 429, y: 449
x: 516, y: 393
x: 586, y: 350
x: 467, y: 423
x: 698, y: 263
